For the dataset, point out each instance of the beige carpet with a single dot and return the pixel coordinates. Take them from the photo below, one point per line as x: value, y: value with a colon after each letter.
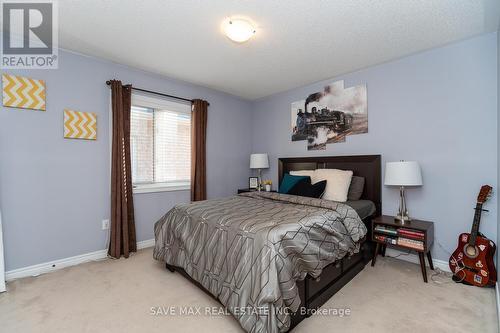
x: 117, y: 296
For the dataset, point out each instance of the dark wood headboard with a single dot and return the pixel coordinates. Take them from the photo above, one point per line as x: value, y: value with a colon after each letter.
x: 368, y: 166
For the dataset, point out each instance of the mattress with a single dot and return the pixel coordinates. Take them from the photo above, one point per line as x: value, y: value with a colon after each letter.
x: 249, y: 250
x: 364, y: 208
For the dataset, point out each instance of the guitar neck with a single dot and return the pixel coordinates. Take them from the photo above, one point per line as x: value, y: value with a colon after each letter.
x: 475, y: 225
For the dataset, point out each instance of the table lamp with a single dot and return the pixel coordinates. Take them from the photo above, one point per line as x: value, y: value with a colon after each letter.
x: 403, y: 173
x: 259, y: 161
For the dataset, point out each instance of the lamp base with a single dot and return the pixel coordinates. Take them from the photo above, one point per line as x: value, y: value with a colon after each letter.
x: 405, y: 219
x: 402, y: 215
x: 259, y: 186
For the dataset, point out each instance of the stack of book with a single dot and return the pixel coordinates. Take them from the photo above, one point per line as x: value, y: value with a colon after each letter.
x: 400, y: 236
x: 386, y: 239
x: 411, y: 243
x: 413, y: 234
x: 386, y: 230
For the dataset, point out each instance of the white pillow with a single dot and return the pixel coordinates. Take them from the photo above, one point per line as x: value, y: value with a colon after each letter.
x: 309, y: 173
x: 337, y: 183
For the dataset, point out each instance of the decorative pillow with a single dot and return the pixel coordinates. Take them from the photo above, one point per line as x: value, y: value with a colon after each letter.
x: 337, y: 185
x: 290, y: 181
x: 356, y: 188
x: 310, y: 173
x: 305, y: 189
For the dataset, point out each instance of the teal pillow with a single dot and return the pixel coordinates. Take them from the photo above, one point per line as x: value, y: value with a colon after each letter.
x: 290, y: 181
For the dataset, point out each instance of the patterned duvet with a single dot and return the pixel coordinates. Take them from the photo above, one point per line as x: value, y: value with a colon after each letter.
x: 249, y: 250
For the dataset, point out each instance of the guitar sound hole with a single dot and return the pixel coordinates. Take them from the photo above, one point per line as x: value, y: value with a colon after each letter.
x: 470, y: 251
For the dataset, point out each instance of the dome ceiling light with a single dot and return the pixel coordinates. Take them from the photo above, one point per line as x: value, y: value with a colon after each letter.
x: 238, y: 30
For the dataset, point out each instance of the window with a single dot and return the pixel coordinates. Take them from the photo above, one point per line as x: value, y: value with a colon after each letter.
x: 160, y: 144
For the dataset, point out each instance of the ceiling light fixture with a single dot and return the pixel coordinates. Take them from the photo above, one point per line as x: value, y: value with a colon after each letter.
x: 238, y: 30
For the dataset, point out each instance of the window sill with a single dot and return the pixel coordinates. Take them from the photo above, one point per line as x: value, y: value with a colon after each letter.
x: 152, y: 188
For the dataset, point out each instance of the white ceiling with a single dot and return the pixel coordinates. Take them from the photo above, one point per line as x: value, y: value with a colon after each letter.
x: 297, y: 41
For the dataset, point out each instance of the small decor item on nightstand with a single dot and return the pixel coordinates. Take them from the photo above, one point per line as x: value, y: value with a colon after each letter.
x: 403, y: 173
x: 253, y: 182
x: 259, y: 161
x: 267, y: 185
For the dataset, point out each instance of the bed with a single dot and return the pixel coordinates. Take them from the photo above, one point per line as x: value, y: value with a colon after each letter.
x: 268, y: 257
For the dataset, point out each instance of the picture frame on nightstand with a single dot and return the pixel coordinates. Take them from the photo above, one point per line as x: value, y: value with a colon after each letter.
x: 253, y: 182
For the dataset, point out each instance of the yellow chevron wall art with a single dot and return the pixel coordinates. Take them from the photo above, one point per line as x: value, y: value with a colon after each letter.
x: 80, y: 125
x: 23, y: 92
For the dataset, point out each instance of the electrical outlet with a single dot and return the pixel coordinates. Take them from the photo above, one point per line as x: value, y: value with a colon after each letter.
x: 105, y: 224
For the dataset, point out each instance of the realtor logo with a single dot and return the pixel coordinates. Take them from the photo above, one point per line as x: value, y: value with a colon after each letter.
x: 29, y: 34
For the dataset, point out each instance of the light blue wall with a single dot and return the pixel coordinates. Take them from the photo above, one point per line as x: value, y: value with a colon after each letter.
x: 498, y: 142
x: 54, y: 192
x: 439, y: 108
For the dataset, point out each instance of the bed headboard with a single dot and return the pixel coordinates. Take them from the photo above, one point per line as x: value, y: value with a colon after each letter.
x: 367, y: 166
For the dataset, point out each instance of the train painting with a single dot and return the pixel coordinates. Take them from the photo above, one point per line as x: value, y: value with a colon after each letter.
x: 331, y: 115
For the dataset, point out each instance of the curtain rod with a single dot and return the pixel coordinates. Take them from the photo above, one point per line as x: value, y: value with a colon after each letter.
x: 160, y: 94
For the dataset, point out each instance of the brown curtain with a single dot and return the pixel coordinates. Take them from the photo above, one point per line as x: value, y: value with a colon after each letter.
x: 122, y: 239
x: 198, y: 150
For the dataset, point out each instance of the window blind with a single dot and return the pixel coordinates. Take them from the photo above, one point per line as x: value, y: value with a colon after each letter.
x: 172, y: 146
x: 142, y: 144
x: 160, y: 146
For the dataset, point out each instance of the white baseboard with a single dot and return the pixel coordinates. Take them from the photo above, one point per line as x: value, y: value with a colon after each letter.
x: 51, y: 266
x: 145, y: 244
x: 497, y: 293
x: 441, y: 264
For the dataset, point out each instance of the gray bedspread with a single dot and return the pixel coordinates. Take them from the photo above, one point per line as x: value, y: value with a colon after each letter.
x: 249, y: 250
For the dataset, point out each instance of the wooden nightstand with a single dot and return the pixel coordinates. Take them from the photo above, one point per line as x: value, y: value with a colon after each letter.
x: 415, y: 235
x: 244, y: 190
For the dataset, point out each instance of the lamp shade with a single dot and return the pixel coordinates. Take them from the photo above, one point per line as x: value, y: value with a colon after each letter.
x: 259, y: 161
x: 404, y: 173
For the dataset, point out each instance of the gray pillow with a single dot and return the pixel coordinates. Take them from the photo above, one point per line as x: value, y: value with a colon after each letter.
x: 356, y: 188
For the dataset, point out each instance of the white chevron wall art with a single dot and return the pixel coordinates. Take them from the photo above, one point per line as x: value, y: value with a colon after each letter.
x: 23, y: 92
x: 80, y: 125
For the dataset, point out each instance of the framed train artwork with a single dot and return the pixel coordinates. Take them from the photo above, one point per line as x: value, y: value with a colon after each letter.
x: 331, y: 115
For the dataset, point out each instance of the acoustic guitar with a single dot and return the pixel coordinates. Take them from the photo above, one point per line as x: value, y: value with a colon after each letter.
x: 472, y: 262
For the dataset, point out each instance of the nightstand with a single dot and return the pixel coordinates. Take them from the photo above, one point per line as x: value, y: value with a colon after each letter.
x: 415, y: 235
x: 244, y: 190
